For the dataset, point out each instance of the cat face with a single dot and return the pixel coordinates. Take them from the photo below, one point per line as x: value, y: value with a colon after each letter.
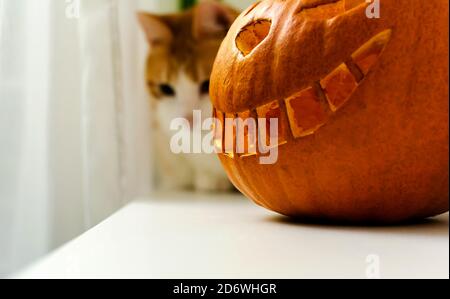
x: 183, y: 48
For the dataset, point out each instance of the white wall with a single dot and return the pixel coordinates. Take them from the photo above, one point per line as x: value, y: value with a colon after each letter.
x: 164, y: 6
x: 241, y: 4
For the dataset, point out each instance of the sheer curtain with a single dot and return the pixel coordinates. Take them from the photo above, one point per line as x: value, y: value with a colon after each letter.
x: 74, y: 121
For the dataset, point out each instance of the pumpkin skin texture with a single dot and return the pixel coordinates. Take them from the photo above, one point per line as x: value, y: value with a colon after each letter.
x: 377, y: 150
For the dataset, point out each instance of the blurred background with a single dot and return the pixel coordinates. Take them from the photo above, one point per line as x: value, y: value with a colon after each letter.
x: 75, y: 133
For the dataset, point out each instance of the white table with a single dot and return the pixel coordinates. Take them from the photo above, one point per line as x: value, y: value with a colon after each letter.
x: 193, y: 236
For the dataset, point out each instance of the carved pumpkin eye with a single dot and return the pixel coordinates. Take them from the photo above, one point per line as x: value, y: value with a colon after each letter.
x: 252, y: 35
x: 321, y: 9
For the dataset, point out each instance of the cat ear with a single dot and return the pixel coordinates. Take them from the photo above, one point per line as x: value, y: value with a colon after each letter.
x: 212, y: 18
x: 155, y: 29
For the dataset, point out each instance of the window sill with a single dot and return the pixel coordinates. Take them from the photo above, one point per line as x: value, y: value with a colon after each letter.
x: 199, y: 236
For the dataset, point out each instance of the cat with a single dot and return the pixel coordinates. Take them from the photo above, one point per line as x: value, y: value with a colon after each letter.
x: 182, y: 50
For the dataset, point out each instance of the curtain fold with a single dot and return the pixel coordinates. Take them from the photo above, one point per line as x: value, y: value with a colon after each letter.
x: 101, y: 110
x: 24, y: 103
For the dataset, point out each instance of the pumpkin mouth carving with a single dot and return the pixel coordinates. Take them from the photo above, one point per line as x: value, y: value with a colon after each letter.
x: 306, y: 111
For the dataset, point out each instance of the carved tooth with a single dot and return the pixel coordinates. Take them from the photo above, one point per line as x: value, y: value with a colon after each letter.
x: 306, y: 113
x: 268, y: 112
x: 230, y: 135
x: 339, y: 85
x: 247, y: 134
x: 218, y: 131
x: 366, y: 56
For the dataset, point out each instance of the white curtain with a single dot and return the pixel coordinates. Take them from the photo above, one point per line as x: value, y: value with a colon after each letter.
x: 24, y: 103
x: 74, y: 121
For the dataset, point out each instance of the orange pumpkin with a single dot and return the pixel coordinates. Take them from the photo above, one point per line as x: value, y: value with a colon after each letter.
x: 362, y: 105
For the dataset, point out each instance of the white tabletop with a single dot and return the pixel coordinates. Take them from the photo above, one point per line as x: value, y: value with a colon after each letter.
x: 193, y: 236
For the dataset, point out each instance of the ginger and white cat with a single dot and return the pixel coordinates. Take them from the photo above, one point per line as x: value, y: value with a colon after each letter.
x: 182, y: 51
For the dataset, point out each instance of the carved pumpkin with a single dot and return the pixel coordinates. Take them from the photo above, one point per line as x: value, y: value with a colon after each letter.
x: 362, y: 106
